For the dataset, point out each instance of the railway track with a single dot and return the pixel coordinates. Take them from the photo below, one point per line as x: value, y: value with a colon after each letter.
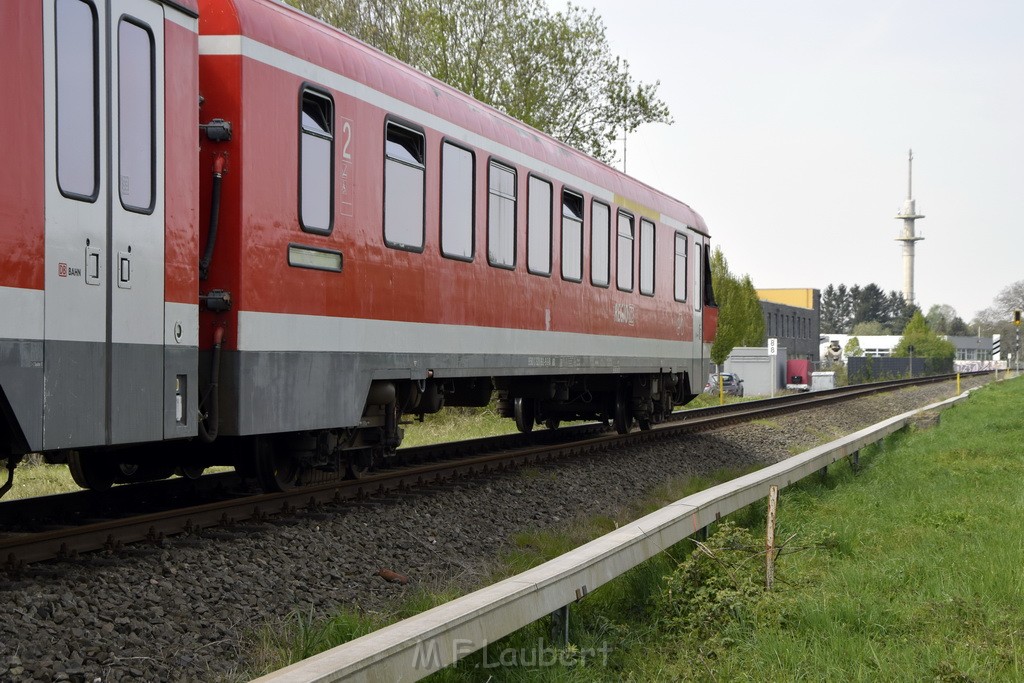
x: 31, y: 531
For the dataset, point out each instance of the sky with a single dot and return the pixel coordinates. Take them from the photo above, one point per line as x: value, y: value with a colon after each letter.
x: 792, y: 123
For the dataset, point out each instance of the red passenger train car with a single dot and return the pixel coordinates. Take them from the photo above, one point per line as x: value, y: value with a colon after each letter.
x: 232, y: 234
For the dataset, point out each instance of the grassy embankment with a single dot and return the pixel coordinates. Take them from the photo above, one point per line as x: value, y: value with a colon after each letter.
x: 912, y: 569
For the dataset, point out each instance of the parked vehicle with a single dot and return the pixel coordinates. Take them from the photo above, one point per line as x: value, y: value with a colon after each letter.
x: 731, y: 384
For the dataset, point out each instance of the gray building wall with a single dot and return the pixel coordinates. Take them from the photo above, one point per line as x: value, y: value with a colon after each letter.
x: 796, y: 328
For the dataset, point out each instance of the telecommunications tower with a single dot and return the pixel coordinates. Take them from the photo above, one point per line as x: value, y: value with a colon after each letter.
x: 908, y: 215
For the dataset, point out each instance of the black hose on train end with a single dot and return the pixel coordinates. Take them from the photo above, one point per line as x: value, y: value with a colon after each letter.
x: 209, y: 424
x: 211, y: 235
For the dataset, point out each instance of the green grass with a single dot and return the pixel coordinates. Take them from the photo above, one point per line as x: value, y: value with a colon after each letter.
x: 922, y: 576
x: 457, y: 424
x: 35, y: 478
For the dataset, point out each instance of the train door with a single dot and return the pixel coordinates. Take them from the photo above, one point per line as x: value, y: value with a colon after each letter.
x: 104, y: 300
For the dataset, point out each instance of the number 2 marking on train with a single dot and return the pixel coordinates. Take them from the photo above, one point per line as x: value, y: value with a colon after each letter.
x: 346, y: 139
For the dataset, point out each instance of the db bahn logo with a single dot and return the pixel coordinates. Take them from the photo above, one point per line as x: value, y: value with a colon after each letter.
x: 64, y: 271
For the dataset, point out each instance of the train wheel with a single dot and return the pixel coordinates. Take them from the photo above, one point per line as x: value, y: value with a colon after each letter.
x: 552, y: 423
x: 359, y: 464
x: 623, y: 415
x: 90, y: 471
x: 645, y: 425
x: 525, y: 413
x: 275, y: 471
x: 191, y: 472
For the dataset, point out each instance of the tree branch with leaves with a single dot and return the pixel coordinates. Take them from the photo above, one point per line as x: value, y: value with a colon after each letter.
x: 553, y: 71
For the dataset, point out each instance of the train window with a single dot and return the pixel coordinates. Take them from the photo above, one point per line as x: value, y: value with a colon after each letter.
x: 538, y: 227
x: 77, y: 95
x: 600, y: 244
x: 646, y: 257
x: 709, y: 286
x: 316, y: 162
x: 697, y: 272
x: 456, y: 202
x: 501, y: 216
x: 136, y: 140
x: 624, y: 253
x: 404, y: 178
x: 680, y: 269
x: 572, y: 236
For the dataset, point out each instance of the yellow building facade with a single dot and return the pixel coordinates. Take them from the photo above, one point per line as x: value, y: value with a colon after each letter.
x: 801, y: 298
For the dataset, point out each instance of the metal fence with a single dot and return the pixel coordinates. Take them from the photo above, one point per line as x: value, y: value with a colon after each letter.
x: 862, y: 369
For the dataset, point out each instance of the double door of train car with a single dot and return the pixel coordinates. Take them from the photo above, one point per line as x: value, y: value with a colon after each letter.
x: 104, y: 277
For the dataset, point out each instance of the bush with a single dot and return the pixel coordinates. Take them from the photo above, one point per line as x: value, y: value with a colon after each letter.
x: 718, y: 584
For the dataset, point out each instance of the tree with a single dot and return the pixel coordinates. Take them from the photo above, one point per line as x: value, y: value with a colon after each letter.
x: 870, y: 304
x: 836, y: 310
x: 959, y: 328
x: 740, y: 318
x: 942, y: 319
x: 870, y: 329
x: 925, y: 342
x: 843, y: 310
x: 898, y: 312
x: 553, y: 71
x: 998, y: 318
x: 853, y: 348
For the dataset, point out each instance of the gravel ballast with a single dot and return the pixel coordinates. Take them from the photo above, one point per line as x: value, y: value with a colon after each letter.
x: 185, y: 611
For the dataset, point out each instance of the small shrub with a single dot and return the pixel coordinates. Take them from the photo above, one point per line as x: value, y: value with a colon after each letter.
x: 718, y: 584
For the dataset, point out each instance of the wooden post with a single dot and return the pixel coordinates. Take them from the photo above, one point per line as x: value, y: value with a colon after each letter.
x: 773, y: 507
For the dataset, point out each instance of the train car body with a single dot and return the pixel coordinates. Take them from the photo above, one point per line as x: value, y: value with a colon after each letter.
x: 234, y: 222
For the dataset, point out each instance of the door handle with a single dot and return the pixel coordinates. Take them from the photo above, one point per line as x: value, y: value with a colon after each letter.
x: 92, y: 265
x: 124, y: 269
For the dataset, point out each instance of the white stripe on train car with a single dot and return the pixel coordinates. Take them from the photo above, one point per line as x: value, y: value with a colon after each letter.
x: 22, y: 316
x: 259, y: 331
